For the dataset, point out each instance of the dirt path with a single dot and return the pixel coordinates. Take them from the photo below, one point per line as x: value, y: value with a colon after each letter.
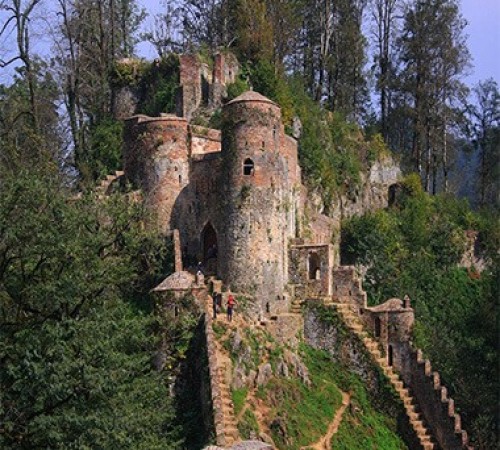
x: 325, y: 443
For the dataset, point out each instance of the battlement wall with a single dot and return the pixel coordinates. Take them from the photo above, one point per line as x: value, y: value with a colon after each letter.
x: 215, y: 391
x: 437, y: 407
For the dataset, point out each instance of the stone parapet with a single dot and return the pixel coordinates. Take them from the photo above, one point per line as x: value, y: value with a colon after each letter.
x: 436, y: 405
x: 347, y: 288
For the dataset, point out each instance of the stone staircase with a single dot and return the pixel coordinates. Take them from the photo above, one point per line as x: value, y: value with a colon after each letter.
x: 226, y: 430
x: 102, y: 188
x: 231, y: 434
x: 295, y: 307
x: 411, y: 408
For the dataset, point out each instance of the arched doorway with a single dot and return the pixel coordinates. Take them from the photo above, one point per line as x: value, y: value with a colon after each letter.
x: 209, y: 242
x: 390, y: 355
x: 314, y: 266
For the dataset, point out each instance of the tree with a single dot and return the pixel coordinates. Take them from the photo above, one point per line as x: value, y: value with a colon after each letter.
x: 76, y: 331
x: 203, y: 23
x: 20, y: 142
x: 19, y: 14
x: 483, y: 128
x: 91, y: 37
x: 385, y: 17
x: 433, y: 58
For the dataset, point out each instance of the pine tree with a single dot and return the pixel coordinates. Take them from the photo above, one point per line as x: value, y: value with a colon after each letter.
x: 433, y: 58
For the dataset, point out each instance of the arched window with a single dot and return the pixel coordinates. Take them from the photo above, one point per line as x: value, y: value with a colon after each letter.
x: 314, y: 266
x: 248, y: 167
x: 377, y: 327
x: 390, y: 355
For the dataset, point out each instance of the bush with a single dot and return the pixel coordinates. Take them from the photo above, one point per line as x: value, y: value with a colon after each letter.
x: 106, y: 140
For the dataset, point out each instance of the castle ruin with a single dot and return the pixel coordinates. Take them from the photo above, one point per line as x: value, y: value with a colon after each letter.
x: 234, y: 200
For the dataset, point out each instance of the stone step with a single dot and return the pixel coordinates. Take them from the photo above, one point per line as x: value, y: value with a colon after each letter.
x: 413, y: 415
x: 383, y: 363
x: 399, y: 386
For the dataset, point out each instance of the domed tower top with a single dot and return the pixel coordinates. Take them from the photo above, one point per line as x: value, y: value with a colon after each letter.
x: 251, y: 96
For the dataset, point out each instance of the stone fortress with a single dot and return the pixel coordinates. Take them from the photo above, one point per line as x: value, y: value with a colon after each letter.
x: 236, y: 196
x: 234, y: 200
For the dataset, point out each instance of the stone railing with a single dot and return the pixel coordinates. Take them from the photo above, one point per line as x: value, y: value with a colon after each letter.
x: 436, y: 406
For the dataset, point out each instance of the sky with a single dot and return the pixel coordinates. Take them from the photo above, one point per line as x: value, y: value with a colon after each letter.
x: 483, y: 30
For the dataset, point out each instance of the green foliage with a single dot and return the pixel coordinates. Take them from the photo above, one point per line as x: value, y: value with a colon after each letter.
x: 331, y: 150
x: 303, y: 413
x: 74, y: 322
x: 272, y: 85
x: 362, y: 426
x: 414, y: 249
x: 237, y: 88
x: 105, y: 152
x: 159, y: 86
x: 239, y: 396
x: 248, y: 425
x: 377, y: 149
x: 215, y: 121
x: 128, y: 73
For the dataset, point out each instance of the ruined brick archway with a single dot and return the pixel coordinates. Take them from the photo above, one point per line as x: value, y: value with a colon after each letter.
x: 209, y: 242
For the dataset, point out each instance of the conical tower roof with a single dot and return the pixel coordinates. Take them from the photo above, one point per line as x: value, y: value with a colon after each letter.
x: 251, y: 96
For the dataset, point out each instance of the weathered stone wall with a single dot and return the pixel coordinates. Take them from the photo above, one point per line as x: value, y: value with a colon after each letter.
x: 437, y: 407
x: 213, y: 369
x: 204, y: 140
x: 198, y: 206
x: 372, y: 193
x: 190, y: 92
x: 258, y: 204
x: 310, y: 270
x: 156, y: 159
x: 347, y: 288
x: 225, y: 71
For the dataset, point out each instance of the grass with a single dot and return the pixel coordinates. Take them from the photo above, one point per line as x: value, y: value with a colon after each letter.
x: 305, y: 411
x: 301, y: 414
x: 239, y: 397
x: 362, y: 427
x: 248, y: 425
x: 219, y: 330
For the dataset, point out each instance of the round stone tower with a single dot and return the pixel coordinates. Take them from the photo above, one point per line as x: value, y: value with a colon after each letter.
x: 253, y: 257
x: 156, y: 159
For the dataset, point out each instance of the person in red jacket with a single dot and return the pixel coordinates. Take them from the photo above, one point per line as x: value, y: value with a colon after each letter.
x: 231, y: 303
